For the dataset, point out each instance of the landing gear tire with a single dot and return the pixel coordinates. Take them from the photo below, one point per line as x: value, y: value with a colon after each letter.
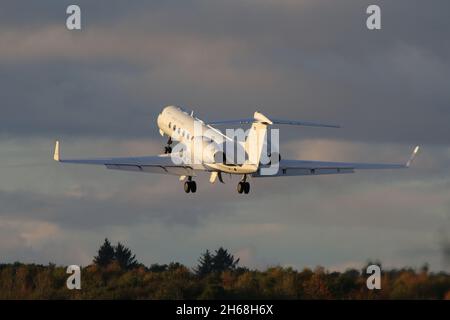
x: 243, y: 187
x: 190, y: 186
x: 193, y: 186
x: 246, y: 187
x: 240, y: 187
x: 187, y: 186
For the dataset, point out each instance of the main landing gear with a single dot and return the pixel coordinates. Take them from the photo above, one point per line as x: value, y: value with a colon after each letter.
x: 168, y: 148
x: 190, y: 186
x: 243, y: 186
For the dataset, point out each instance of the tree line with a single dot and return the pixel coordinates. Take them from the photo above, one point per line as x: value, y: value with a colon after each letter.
x: 115, y: 273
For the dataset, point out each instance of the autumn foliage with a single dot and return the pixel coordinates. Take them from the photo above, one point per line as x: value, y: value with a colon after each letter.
x: 218, y: 276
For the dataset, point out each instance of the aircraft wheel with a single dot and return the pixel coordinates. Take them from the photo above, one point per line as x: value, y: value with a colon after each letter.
x: 246, y: 187
x: 193, y: 186
x: 240, y: 187
x: 187, y: 187
x: 167, y: 149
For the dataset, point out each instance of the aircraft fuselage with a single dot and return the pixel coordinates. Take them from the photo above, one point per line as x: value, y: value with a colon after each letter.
x: 185, y: 128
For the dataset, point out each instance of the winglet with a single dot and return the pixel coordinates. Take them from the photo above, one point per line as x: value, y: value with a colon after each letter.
x: 413, y: 155
x: 262, y: 118
x: 56, y: 154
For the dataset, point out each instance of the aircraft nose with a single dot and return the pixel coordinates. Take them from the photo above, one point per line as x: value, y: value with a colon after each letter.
x: 159, y: 120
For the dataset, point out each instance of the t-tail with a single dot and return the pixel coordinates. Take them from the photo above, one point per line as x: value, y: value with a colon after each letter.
x: 256, y: 138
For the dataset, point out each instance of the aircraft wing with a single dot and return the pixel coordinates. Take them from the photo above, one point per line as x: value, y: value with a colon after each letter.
x: 163, y: 164
x: 306, y: 167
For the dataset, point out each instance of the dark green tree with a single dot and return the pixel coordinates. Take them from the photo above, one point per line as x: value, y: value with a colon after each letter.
x: 105, y: 254
x: 158, y: 267
x: 124, y: 257
x: 223, y: 261
x: 205, y: 264
x: 218, y: 262
x: 175, y: 266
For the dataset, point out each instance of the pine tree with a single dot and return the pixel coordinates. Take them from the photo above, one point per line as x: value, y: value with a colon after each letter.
x: 124, y: 257
x: 223, y: 261
x: 205, y: 264
x: 218, y: 262
x: 105, y: 254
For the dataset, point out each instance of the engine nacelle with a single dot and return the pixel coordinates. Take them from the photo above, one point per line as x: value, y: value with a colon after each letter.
x: 271, y: 158
x: 208, y: 151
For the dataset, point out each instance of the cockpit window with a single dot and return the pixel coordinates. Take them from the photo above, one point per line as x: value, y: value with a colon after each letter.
x: 170, y: 125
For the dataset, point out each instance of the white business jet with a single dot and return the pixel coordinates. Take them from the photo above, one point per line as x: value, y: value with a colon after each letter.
x: 191, y: 132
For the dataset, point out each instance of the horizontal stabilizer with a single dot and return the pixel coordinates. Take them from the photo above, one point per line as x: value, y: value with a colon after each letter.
x: 272, y: 121
x: 304, y: 123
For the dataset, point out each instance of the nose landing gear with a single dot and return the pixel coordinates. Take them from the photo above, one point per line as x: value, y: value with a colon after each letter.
x: 168, y: 148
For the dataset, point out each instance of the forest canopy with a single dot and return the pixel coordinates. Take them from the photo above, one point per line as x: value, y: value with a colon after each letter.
x: 115, y: 273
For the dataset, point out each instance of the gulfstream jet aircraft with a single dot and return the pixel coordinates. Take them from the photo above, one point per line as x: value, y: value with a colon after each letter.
x: 201, y: 147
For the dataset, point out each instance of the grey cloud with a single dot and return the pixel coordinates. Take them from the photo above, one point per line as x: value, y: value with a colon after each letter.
x: 311, y: 60
x: 233, y: 58
x: 89, y: 212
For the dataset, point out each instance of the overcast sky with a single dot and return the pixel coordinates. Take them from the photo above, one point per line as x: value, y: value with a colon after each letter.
x: 100, y: 89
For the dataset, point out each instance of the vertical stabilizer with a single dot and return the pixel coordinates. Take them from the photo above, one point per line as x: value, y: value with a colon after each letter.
x: 256, y: 138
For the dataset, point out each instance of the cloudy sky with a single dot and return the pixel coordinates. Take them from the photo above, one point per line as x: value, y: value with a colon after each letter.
x: 100, y: 89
